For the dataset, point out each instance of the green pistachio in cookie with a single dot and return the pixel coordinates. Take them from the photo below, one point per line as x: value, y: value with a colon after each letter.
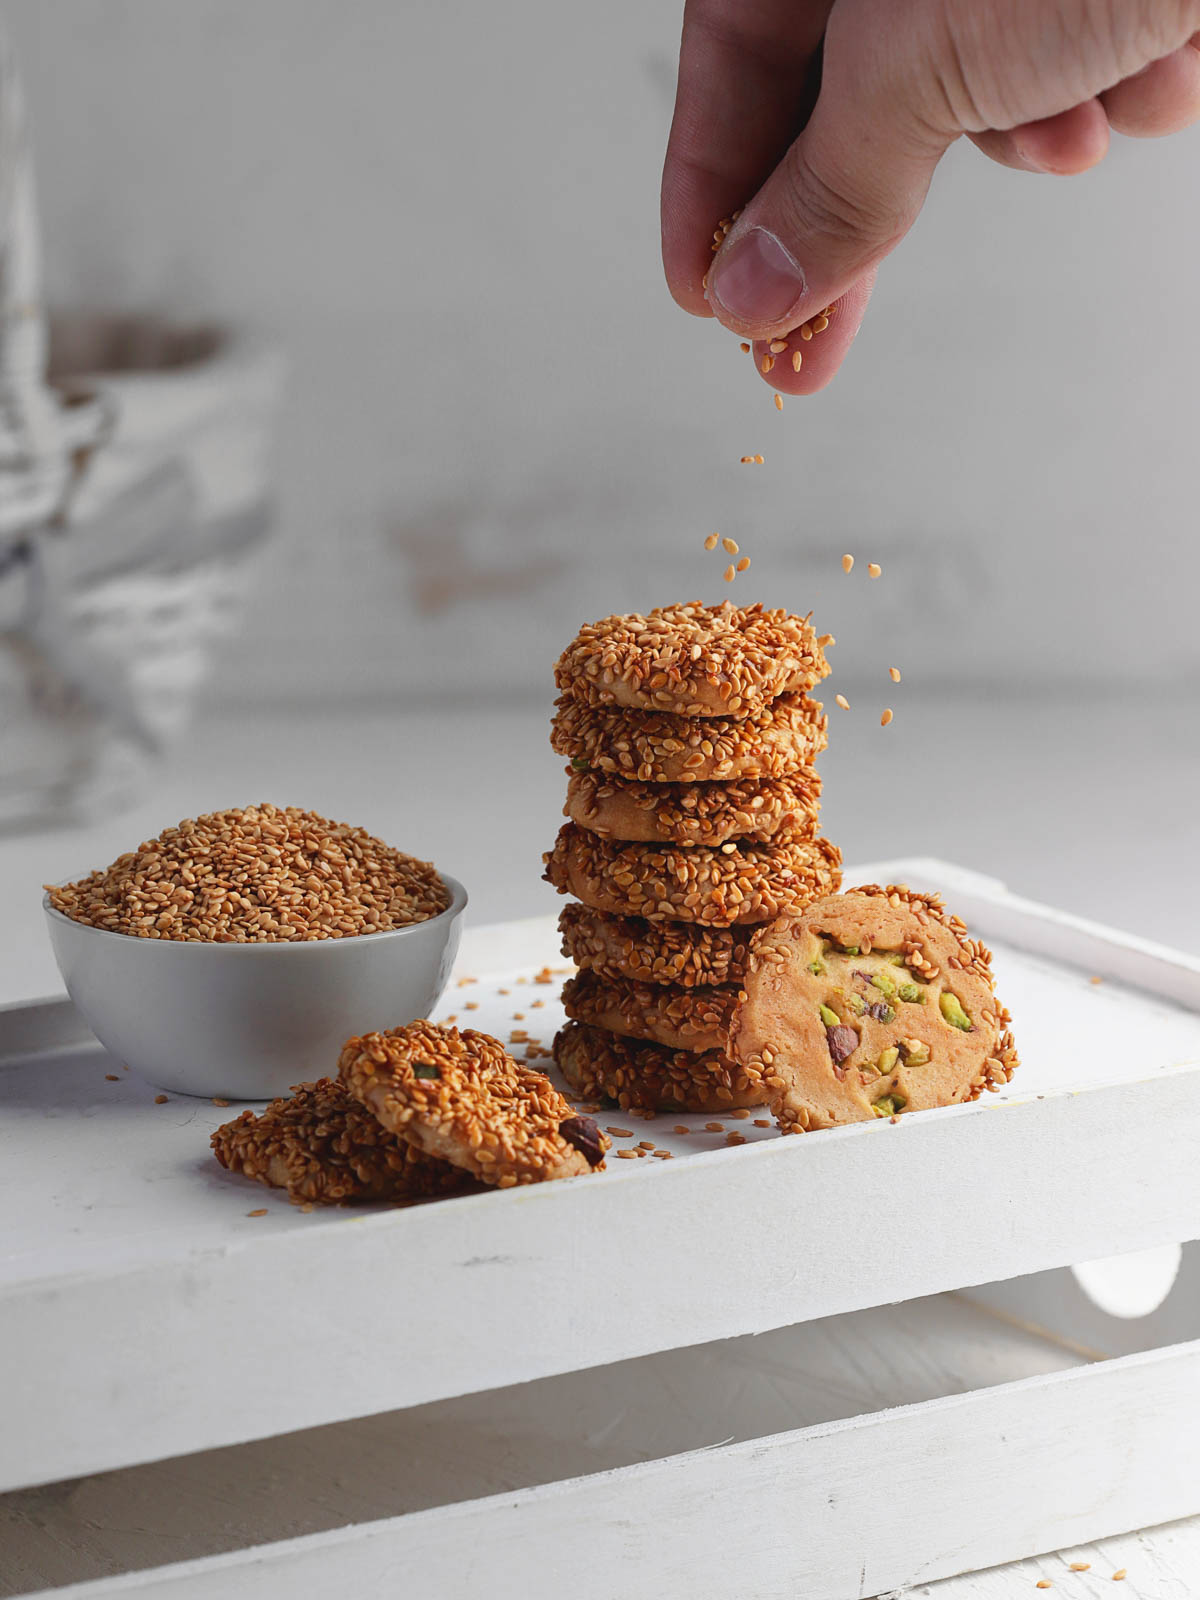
x: 867, y: 1004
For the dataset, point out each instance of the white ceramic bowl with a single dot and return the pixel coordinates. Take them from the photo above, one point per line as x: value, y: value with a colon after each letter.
x: 246, y: 1021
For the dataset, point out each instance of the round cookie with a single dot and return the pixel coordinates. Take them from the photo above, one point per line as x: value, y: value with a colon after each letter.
x: 786, y: 736
x: 650, y: 1077
x: 462, y: 1097
x: 682, y: 1019
x: 322, y: 1147
x: 693, y: 660
x: 694, y: 813
x: 652, y: 952
x: 737, y: 883
x: 867, y: 1004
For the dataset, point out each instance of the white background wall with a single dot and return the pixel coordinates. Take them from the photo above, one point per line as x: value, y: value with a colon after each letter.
x: 499, y: 424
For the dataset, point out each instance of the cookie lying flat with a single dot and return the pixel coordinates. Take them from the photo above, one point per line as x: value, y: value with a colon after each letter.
x: 867, y: 1004
x: 693, y: 660
x: 694, y: 813
x: 682, y: 1019
x: 652, y: 952
x: 650, y: 1077
x: 462, y: 1097
x: 738, y: 883
x: 324, y: 1148
x: 786, y: 736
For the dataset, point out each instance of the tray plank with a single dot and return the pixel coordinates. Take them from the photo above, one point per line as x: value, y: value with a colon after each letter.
x: 117, y: 1222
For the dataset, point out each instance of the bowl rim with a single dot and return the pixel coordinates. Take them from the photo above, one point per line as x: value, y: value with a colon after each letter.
x: 459, y: 899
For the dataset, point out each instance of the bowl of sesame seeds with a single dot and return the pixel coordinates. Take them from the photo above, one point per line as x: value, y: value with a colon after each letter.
x: 234, y: 954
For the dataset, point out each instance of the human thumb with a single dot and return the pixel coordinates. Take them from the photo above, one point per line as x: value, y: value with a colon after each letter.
x: 844, y: 195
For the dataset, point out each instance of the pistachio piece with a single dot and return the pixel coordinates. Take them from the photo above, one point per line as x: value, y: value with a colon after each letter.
x: 889, y: 1106
x: 843, y: 1042
x: 913, y: 993
x: 849, y: 949
x: 816, y: 966
x: 426, y: 1069
x: 881, y: 1012
x: 579, y: 764
x: 915, y: 1052
x: 828, y: 1017
x: 884, y: 983
x: 856, y: 1004
x: 887, y: 1061
x: 894, y: 958
x: 951, y: 1008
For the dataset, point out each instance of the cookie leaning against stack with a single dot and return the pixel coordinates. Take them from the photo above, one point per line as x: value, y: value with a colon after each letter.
x: 693, y: 803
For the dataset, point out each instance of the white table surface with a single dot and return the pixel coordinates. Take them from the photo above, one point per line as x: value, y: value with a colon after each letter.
x: 1091, y: 806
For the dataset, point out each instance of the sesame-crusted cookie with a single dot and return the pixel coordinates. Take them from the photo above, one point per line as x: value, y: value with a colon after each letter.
x: 867, y: 1004
x: 786, y: 736
x: 653, y: 952
x: 323, y: 1148
x: 693, y: 660
x: 694, y: 813
x: 738, y: 883
x: 683, y: 1019
x: 462, y: 1097
x: 651, y: 1077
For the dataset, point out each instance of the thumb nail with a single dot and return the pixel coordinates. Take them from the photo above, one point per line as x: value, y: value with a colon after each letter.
x: 756, y: 279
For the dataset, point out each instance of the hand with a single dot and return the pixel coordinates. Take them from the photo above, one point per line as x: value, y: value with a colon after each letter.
x: 832, y: 177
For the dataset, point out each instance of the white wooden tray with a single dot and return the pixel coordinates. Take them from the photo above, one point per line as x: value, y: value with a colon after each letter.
x: 143, y: 1314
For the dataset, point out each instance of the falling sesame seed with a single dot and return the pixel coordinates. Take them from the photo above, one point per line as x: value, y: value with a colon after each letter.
x: 743, y: 565
x: 1096, y: 978
x: 160, y: 1099
x: 894, y: 674
x: 873, y: 569
x: 744, y: 347
x: 711, y: 542
x: 847, y: 563
x: 842, y: 701
x: 779, y: 402
x: 886, y: 717
x: 758, y: 461
x: 261, y: 1212
x: 111, y: 1077
x: 766, y: 364
x: 777, y: 346
x: 729, y: 574
x: 746, y: 460
x: 797, y: 360
x: 729, y: 546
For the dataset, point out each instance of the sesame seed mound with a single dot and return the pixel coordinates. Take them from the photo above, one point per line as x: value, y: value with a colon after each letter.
x: 784, y: 737
x: 693, y: 660
x: 253, y: 875
x: 653, y: 952
x: 651, y: 1077
x: 683, y: 1019
x: 737, y: 883
x: 323, y: 1148
x: 462, y: 1097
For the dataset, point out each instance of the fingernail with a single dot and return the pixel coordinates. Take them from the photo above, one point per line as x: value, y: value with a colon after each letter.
x: 756, y: 279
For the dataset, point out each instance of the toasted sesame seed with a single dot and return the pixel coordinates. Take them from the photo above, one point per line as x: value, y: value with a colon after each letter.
x: 1096, y: 978
x: 711, y: 542
x: 729, y: 546
x: 160, y: 1099
x: 713, y: 1127
x: 758, y: 461
x: 111, y: 1077
x: 463, y: 982
x: 820, y: 323
x: 626, y: 1155
x: 744, y: 348
x: 646, y: 1144
x: 680, y: 1128
x: 825, y: 640
x: 620, y: 1133
x: 779, y: 402
x: 797, y: 360
x: 842, y: 701
x: 762, y: 1122
x: 873, y: 569
x: 744, y: 564
x: 1119, y: 1574
x: 729, y: 574
x: 1080, y: 1566
x: 747, y: 460
x: 847, y: 563
x: 894, y: 674
x: 886, y: 717
x: 471, y: 1005
x: 261, y: 1211
x: 777, y: 346
x: 1044, y: 1583
x: 217, y: 1101
x: 766, y: 364
x: 663, y: 1155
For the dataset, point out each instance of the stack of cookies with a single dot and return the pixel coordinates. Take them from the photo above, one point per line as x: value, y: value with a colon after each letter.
x: 693, y: 802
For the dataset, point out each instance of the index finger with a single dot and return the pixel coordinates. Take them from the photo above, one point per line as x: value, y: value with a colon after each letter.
x: 748, y: 74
